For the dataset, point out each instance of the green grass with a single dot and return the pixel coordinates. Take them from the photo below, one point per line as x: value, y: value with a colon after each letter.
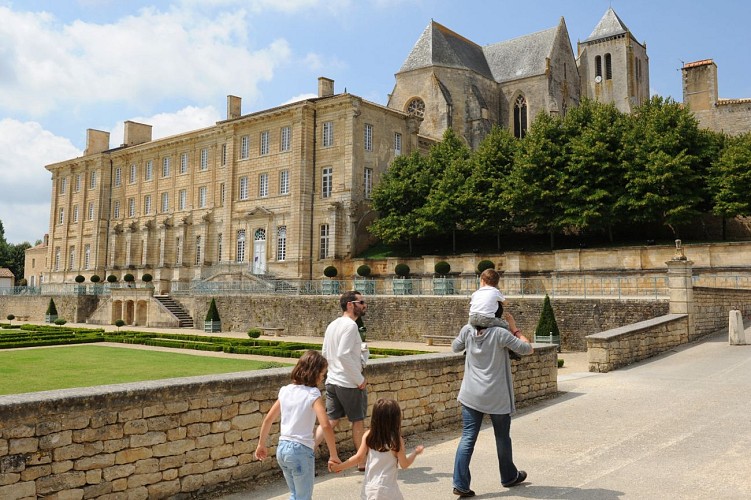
x: 31, y: 370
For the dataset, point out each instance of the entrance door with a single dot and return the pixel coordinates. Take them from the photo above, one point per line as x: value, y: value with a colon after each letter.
x: 259, y: 252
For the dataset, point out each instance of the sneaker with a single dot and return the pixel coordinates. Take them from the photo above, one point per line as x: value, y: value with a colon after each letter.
x: 520, y: 477
x: 463, y: 494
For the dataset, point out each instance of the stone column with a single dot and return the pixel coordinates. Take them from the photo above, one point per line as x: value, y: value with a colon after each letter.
x: 681, y: 288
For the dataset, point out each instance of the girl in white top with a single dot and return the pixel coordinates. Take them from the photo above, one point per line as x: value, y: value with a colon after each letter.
x: 299, y: 405
x: 384, y: 447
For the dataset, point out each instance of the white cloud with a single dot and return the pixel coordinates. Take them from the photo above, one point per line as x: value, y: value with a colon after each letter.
x: 24, y: 183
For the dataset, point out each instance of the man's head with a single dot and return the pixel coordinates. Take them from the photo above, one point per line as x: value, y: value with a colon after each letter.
x: 353, y: 304
x: 490, y: 277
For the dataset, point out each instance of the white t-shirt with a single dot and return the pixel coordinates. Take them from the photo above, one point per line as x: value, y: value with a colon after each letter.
x: 342, y: 349
x: 485, y: 300
x: 298, y: 416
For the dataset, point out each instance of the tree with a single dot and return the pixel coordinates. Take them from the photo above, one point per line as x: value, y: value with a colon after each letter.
x: 730, y: 179
x: 547, y: 324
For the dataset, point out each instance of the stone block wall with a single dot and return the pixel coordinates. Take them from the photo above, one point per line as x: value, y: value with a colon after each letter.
x: 712, y: 306
x: 158, y: 439
x: 74, y: 308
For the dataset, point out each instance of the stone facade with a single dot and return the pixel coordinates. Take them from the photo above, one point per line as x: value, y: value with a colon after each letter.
x: 187, y: 436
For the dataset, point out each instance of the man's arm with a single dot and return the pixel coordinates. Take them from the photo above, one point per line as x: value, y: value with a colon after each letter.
x: 460, y: 342
x: 349, y: 353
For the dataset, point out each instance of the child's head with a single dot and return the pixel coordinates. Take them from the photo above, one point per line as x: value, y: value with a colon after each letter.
x: 385, y: 426
x: 309, y: 369
x: 490, y: 277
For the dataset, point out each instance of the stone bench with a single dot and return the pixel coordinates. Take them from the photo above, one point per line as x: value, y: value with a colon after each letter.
x: 272, y: 330
x: 439, y: 339
x: 22, y: 318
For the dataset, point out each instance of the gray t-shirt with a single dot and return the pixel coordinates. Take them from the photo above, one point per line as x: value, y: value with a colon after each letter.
x: 487, y: 385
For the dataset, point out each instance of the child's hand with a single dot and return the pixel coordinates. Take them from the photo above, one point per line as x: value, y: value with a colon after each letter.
x: 419, y: 449
x: 335, y: 466
x: 261, y: 452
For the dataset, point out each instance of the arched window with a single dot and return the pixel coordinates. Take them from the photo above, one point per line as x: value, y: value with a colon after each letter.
x: 281, y: 243
x: 520, y: 117
x: 598, y: 66
x: 416, y: 107
x: 608, y: 68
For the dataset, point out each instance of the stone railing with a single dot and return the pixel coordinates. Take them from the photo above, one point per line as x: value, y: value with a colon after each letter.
x: 193, y: 435
x: 622, y: 346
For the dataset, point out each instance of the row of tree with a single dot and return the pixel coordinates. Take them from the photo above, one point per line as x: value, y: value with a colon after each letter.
x: 589, y: 172
x: 12, y: 256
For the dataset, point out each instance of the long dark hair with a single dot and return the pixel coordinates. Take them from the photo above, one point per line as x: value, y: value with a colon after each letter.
x: 308, y: 369
x: 385, y: 426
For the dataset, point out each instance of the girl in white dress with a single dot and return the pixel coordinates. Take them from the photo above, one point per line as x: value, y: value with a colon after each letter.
x: 384, y: 448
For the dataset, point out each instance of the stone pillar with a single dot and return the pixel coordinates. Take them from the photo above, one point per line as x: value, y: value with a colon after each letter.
x: 681, y: 288
x: 736, y: 331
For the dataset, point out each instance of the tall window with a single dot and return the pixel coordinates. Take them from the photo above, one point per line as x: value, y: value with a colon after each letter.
x: 520, y: 117
x: 77, y: 183
x: 224, y: 154
x: 148, y: 171
x: 598, y: 66
x: 219, y: 247
x: 221, y: 194
x: 244, y: 147
x: 178, y: 251
x: 204, y: 158
x: 90, y: 215
x: 147, y: 204
x: 368, y: 182
x: 61, y: 215
x: 165, y: 202
x: 71, y: 257
x: 75, y: 214
x: 57, y: 258
x: 132, y: 175
x: 116, y: 210
x: 284, y: 182
x: 284, y: 140
x: 63, y: 184
x: 166, y: 166
x: 182, y: 199
x: 198, y: 250
x: 118, y: 176
x: 263, y: 185
x: 608, y: 67
x: 87, y: 257
x: 202, y: 197
x: 183, y: 163
x: 243, y: 195
x: 264, y: 143
x: 324, y: 243
x: 241, y: 245
x: 131, y: 207
x: 328, y: 134
x: 281, y: 243
x: 368, y: 137
x: 92, y: 180
x: 326, y: 181
x: 397, y: 144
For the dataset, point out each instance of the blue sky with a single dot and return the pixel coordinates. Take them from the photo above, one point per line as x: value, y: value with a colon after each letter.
x: 69, y: 65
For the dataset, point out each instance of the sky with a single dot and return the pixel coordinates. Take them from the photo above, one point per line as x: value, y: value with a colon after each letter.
x: 70, y: 65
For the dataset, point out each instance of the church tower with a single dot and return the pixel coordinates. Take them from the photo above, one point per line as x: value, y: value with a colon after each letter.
x: 613, y: 66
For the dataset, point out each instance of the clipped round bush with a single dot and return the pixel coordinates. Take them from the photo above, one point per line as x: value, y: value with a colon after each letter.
x: 119, y: 323
x: 80, y: 278
x: 363, y: 270
x: 95, y: 279
x: 112, y: 278
x: 330, y: 272
x: 442, y: 268
x: 10, y: 317
x: 254, y: 333
x: 60, y: 321
x: 129, y: 278
x: 401, y: 270
x: 146, y: 278
x: 484, y: 264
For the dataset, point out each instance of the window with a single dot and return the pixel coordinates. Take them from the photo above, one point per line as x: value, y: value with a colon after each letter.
x: 263, y: 185
x: 77, y: 183
x: 75, y: 214
x: 71, y: 257
x: 165, y: 202
x: 520, y: 117
x: 326, y: 181
x: 90, y: 215
x: 281, y: 243
x: 397, y: 144
x: 63, y: 184
x: 92, y: 180
x: 166, y: 166
x: 598, y: 66
x: 368, y: 182
x: 204, y: 158
x: 198, y: 250
x: 57, y: 258
x: 147, y: 204
x: 182, y: 199
x: 131, y: 207
x: 132, y: 176
x: 116, y: 210
x: 183, y: 163
x: 241, y: 245
x: 284, y: 182
x: 144, y: 252
x: 284, y: 140
x: 219, y: 247
x: 87, y: 257
x: 202, y: 197
x: 224, y: 154
x: 264, y: 142
x: 118, y: 176
x: 243, y: 195
x: 324, y: 247
x: 368, y: 137
x: 149, y: 171
x: 416, y: 107
x: 608, y: 67
x: 328, y: 134
x: 244, y: 147
x: 221, y: 194
x: 61, y: 216
x: 178, y: 251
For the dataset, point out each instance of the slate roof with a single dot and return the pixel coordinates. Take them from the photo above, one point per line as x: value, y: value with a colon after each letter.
x: 609, y: 25
x: 520, y: 57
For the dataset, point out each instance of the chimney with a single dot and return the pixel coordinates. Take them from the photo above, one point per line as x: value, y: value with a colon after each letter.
x: 234, y: 107
x: 325, y: 87
x: 136, y: 133
x: 46, y: 239
x: 96, y: 141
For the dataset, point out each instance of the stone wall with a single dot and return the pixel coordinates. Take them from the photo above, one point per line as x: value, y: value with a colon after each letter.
x: 712, y: 306
x: 622, y: 346
x: 192, y: 435
x: 74, y: 308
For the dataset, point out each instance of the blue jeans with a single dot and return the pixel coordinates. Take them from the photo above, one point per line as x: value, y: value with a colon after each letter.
x: 298, y: 465
x: 472, y: 421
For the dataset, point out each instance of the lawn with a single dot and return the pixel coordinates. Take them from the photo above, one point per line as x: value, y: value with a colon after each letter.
x: 31, y: 370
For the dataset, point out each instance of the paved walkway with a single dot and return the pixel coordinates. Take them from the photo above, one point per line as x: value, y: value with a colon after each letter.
x: 674, y: 427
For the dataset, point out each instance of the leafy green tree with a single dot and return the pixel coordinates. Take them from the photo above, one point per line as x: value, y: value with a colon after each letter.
x: 730, y: 179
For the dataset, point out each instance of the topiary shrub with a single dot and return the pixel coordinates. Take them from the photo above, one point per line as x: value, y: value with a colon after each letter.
x: 401, y: 270
x: 129, y: 278
x: 80, y: 278
x: 330, y: 272
x: 560, y: 362
x: 254, y: 333
x: 118, y: 323
x: 213, y: 313
x: 484, y: 264
x: 547, y: 327
x: 112, y: 278
x: 51, y: 309
x: 10, y: 317
x: 147, y: 278
x: 95, y: 279
x: 442, y: 268
x: 60, y: 321
x: 363, y: 271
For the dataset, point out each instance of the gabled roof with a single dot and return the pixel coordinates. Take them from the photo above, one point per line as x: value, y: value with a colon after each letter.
x: 520, y: 57
x: 5, y: 273
x: 609, y: 25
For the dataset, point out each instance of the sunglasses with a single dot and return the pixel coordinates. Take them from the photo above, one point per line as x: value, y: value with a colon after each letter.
x: 361, y: 302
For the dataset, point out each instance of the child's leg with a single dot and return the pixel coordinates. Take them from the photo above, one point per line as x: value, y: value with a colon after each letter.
x: 298, y: 465
x: 480, y: 321
x: 499, y: 322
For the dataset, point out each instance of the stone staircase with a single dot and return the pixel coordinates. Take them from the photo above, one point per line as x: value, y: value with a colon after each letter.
x: 185, y: 321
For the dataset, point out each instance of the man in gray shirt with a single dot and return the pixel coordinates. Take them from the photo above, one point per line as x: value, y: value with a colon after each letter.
x: 487, y: 389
